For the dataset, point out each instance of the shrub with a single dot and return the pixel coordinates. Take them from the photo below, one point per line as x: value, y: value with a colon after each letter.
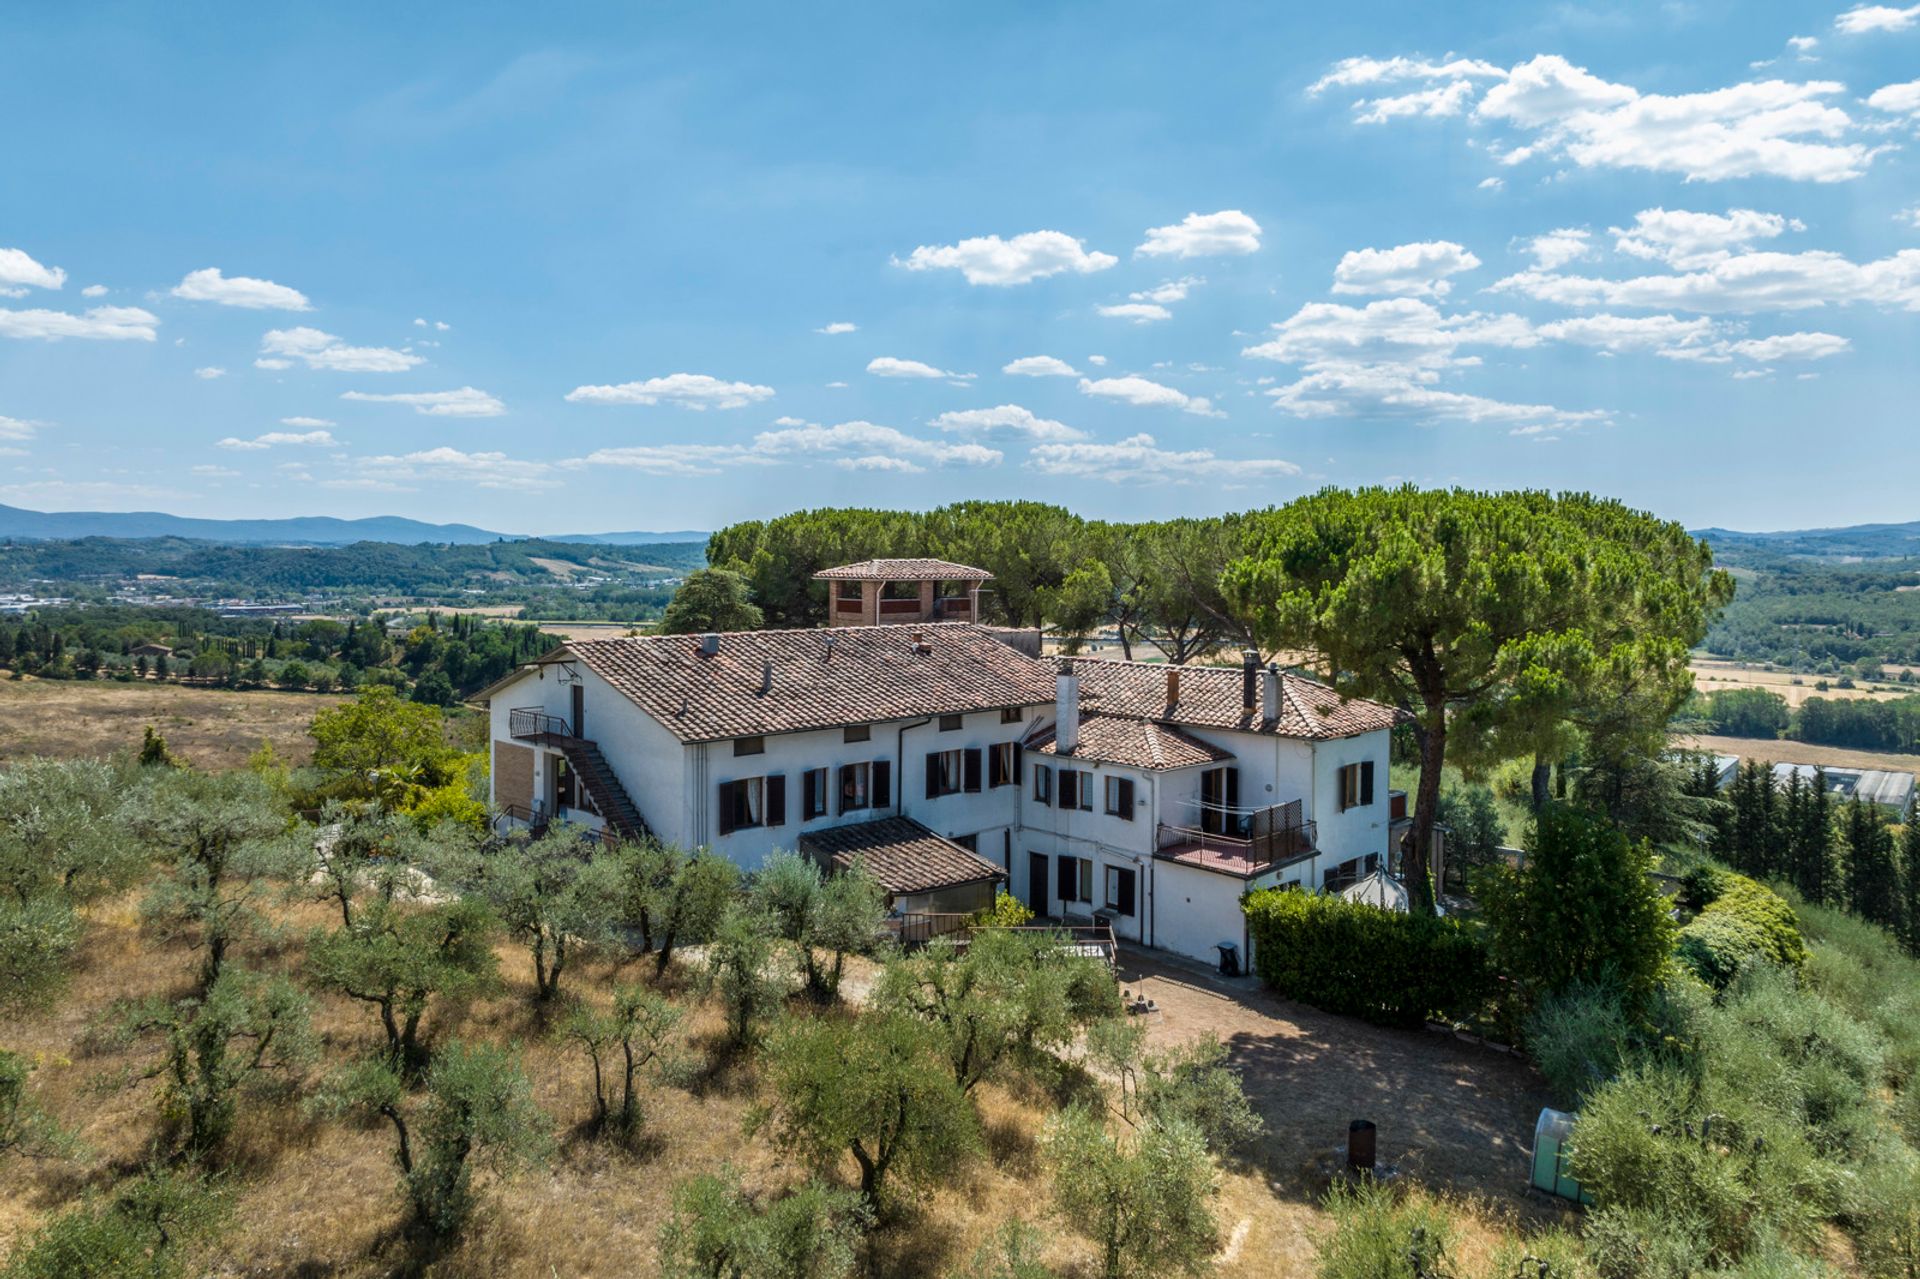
x: 1747, y: 922
x: 1309, y: 947
x: 1579, y: 1039
x: 1379, y: 1234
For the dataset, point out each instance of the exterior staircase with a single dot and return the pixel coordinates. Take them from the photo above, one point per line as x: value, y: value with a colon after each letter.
x: 591, y: 769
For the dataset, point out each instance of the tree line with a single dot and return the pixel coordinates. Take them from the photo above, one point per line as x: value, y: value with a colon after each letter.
x: 1859, y: 723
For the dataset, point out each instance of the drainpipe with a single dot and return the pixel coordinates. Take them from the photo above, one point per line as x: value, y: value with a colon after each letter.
x: 900, y: 764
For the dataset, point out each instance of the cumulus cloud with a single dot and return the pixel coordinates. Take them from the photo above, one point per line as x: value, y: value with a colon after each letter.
x: 306, y: 422
x: 888, y: 366
x: 1140, y: 459
x: 1897, y: 99
x: 670, y: 459
x: 837, y: 327
x: 13, y: 428
x: 280, y: 348
x: 853, y: 445
x: 209, y: 373
x: 209, y: 285
x: 280, y: 439
x: 1865, y: 18
x: 1203, y: 235
x: 1039, y: 366
x: 1617, y: 334
x: 1170, y: 290
x: 1742, y: 282
x: 1767, y: 350
x: 867, y: 439
x: 1010, y: 418
x: 107, y: 323
x: 465, y: 402
x: 688, y: 390
x: 1414, y: 270
x: 1557, y: 248
x: 1686, y: 239
x: 1147, y: 394
x: 991, y: 260
x: 1353, y: 73
x: 94, y: 291
x: 19, y: 272
x: 1138, y: 312
x: 482, y: 470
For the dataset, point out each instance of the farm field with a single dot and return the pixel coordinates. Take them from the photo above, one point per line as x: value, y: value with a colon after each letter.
x: 1711, y: 675
x: 208, y: 727
x: 1778, y: 751
x: 320, y: 1197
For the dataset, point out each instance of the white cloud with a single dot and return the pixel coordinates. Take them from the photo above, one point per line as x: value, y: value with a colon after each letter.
x: 109, y: 323
x: 863, y: 446
x: 466, y: 402
x: 216, y: 472
x: 94, y: 291
x: 1415, y: 270
x: 1138, y: 312
x: 208, y: 285
x: 483, y: 470
x: 1743, y: 282
x: 282, y: 439
x: 1863, y: 18
x: 868, y: 438
x: 1909, y: 215
x: 1622, y: 333
x: 279, y: 348
x: 837, y: 327
x: 12, y: 428
x: 888, y: 366
x: 1684, y: 239
x: 1098, y: 361
x: 1350, y: 73
x: 1145, y: 394
x: 880, y: 462
x: 1139, y: 458
x: 1364, y: 391
x: 1557, y: 248
x: 438, y: 326
x: 305, y: 421
x: 1767, y: 350
x: 688, y: 390
x: 1803, y: 44
x: 1006, y: 417
x: 1039, y: 366
x: 209, y: 373
x: 21, y: 272
x: 1201, y: 235
x: 992, y: 260
x: 669, y: 459
x: 1490, y: 184
x: 1170, y: 290
x: 1897, y: 99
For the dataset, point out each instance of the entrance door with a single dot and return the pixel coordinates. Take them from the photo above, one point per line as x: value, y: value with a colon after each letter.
x: 579, y: 710
x: 1037, y: 883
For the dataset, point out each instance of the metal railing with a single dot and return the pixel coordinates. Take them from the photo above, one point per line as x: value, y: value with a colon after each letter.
x: 915, y: 929
x: 533, y: 721
x: 1256, y: 837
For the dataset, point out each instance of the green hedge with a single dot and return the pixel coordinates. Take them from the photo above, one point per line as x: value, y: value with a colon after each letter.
x: 1745, y: 922
x: 1365, y: 962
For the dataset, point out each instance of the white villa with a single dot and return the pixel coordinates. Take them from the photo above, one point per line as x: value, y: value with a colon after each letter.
x: 954, y: 762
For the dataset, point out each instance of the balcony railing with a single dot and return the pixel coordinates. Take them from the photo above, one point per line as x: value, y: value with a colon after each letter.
x: 845, y: 605
x: 899, y: 606
x: 955, y: 607
x: 532, y: 722
x: 1241, y: 839
x: 917, y: 929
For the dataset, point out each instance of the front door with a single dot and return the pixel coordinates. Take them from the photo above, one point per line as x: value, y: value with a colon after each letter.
x: 579, y: 710
x: 1037, y: 883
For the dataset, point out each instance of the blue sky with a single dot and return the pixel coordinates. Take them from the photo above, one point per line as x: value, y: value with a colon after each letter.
x: 670, y: 266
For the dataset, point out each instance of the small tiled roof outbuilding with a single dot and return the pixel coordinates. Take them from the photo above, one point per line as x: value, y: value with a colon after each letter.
x: 1211, y: 697
x: 904, y: 571
x: 1132, y: 743
x: 904, y: 856
x: 765, y: 682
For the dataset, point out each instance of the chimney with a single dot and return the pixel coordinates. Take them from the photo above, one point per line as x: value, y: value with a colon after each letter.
x: 1173, y: 686
x: 1066, y: 710
x: 709, y: 644
x: 1249, y: 674
x: 827, y: 644
x: 766, y: 676
x: 1270, y: 695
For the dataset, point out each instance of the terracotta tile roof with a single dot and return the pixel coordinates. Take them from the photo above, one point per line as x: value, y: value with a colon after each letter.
x: 1135, y: 743
x: 903, y: 855
x: 820, y: 678
x: 903, y: 571
x: 1210, y: 697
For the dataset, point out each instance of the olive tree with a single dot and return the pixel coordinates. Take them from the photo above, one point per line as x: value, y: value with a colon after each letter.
x: 1144, y: 1201
x: 818, y: 913
x: 627, y: 1039
x: 718, y: 1229
x: 673, y: 895
x: 554, y: 895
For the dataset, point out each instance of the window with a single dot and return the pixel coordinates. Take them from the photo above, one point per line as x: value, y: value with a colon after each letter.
x: 969, y: 842
x: 1120, y: 886
x: 1073, y: 879
x: 1076, y: 790
x: 749, y: 746
x: 952, y: 723
x: 813, y: 794
x: 1120, y: 798
x: 856, y: 787
x: 950, y: 772
x: 1356, y: 785
x: 857, y: 733
x: 1012, y: 715
x: 753, y: 801
x: 1003, y: 764
x: 1043, y: 785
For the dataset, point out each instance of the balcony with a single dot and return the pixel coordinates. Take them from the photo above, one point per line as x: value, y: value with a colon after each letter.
x: 533, y: 724
x: 953, y: 608
x: 1237, y: 841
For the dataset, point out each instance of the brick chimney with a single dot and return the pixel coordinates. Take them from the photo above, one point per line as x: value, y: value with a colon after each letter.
x: 1173, y: 685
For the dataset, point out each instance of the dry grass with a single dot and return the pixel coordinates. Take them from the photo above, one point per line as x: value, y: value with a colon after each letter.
x: 320, y: 1199
x: 1777, y: 751
x: 1712, y: 675
x: 210, y: 727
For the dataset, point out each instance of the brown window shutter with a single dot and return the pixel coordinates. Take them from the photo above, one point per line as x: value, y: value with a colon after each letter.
x: 777, y: 800
x: 1126, y: 799
x: 1019, y: 763
x: 933, y: 774
x: 972, y: 769
x: 726, y: 808
x: 1067, y: 879
x: 880, y: 784
x: 1366, y: 783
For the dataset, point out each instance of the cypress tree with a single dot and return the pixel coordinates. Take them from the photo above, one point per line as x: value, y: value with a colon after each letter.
x: 1812, y: 843
x: 1873, y: 889
x: 1910, y: 881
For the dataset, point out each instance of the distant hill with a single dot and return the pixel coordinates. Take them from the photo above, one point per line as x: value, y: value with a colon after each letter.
x: 305, y: 530
x: 1857, y: 541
